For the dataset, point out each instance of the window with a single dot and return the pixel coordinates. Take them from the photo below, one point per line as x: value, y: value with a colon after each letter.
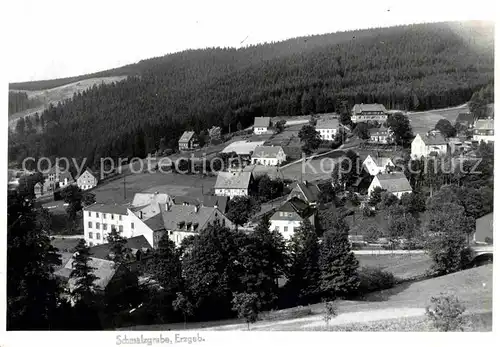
x: 90, y: 224
x: 97, y: 213
x: 90, y: 214
x: 285, y: 229
x: 97, y: 225
x: 112, y: 216
x: 104, y: 215
x: 90, y: 235
x: 120, y: 227
x: 120, y: 217
x: 97, y: 236
x: 104, y: 226
x: 132, y: 225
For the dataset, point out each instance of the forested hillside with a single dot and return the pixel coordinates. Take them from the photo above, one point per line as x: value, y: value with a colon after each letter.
x: 19, y: 101
x: 415, y: 67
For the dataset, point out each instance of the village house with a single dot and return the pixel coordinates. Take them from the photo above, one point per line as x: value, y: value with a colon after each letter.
x: 458, y: 145
x: 375, y: 164
x: 484, y: 130
x: 65, y: 179
x: 305, y: 191
x: 181, y: 221
x: 233, y: 184
x: 379, y: 135
x: 219, y: 202
x: 87, y: 180
x: 467, y: 119
x: 327, y: 128
x: 38, y: 189
x: 288, y: 217
x: 430, y: 144
x: 394, y: 182
x: 268, y: 155
x: 261, y: 125
x: 369, y: 113
x: 188, y: 141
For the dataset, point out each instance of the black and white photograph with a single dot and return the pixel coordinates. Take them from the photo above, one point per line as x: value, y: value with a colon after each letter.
x: 180, y: 171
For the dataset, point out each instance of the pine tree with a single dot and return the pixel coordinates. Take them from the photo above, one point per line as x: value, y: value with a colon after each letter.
x: 120, y: 254
x: 338, y: 265
x: 82, y: 273
x: 167, y: 266
x: 304, y: 274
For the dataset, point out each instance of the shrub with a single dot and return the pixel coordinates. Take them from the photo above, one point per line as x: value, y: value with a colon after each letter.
x: 330, y: 311
x: 368, y: 212
x: 445, y: 312
x: 373, y: 279
x: 488, y: 240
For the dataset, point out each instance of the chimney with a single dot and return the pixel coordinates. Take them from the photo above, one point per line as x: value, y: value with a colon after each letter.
x: 305, y: 183
x: 140, y: 214
x: 196, y: 208
x: 167, y: 206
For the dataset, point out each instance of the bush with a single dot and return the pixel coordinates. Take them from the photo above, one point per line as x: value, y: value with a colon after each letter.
x: 374, y: 279
x: 488, y: 240
x: 445, y: 313
x: 330, y: 311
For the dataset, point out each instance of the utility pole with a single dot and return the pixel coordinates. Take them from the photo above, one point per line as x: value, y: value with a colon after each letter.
x: 124, y: 188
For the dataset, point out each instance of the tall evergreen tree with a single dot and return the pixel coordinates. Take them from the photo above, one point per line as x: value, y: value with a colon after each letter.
x: 338, y: 265
x: 82, y: 274
x: 304, y: 273
x: 168, y: 267
x: 120, y: 254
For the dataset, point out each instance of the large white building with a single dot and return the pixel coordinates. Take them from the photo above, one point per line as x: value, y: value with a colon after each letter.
x: 375, y: 165
x: 394, y: 182
x: 327, y: 128
x: 233, y: 184
x: 429, y: 144
x: 268, y: 155
x: 288, y: 217
x: 369, y: 113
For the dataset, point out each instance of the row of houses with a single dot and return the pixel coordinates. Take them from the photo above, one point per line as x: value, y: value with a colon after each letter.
x: 57, y: 178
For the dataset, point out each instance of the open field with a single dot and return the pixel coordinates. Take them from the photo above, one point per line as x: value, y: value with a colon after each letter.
x: 173, y: 184
x: 421, y: 122
x: 401, y: 266
x: 57, y: 94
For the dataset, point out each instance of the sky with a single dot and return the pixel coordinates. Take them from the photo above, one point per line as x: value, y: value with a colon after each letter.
x: 54, y: 38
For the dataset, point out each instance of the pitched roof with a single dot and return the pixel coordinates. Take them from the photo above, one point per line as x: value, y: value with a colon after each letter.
x: 107, y: 208
x: 327, y: 123
x: 103, y: 269
x: 65, y: 174
x: 433, y: 139
x: 134, y: 243
x: 219, y: 201
x: 89, y: 171
x: 266, y: 151
x: 197, y: 216
x: 309, y: 190
x: 242, y: 147
x: 358, y: 108
x: 378, y: 131
x: 484, y: 124
x: 380, y: 161
x: 465, y: 118
x: 258, y: 170
x: 233, y: 180
x: 143, y: 199
x: 262, y: 122
x: 181, y: 200
x: 186, y: 136
x: 155, y: 222
x: 296, y: 205
x: 394, y: 182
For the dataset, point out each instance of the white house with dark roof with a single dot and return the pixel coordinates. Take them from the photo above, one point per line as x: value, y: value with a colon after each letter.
x: 288, y: 217
x: 188, y: 141
x: 181, y: 221
x: 394, y: 182
x: 87, y: 180
x: 484, y: 130
x: 268, y: 155
x: 65, y: 179
x: 369, y: 113
x: 305, y: 191
x: 233, y: 184
x: 379, y: 135
x: 375, y: 165
x: 261, y: 125
x: 429, y: 144
x: 327, y: 128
